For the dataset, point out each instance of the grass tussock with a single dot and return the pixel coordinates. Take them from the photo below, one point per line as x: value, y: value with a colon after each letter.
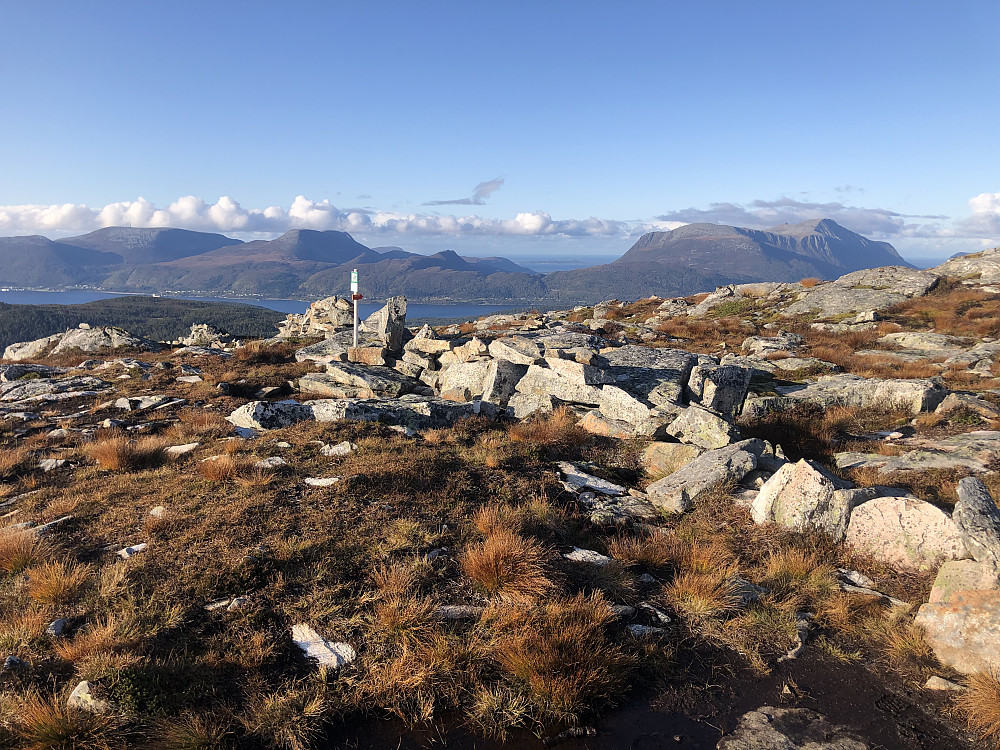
x: 115, y: 451
x: 20, y: 629
x: 46, y: 723
x: 288, y: 719
x: 14, y: 461
x: 192, y: 731
x: 561, y: 655
x: 700, y: 595
x: 57, y: 582
x: 228, y: 467
x: 557, y: 431
x: 20, y: 549
x: 508, y: 567
x: 263, y: 353
x: 648, y: 551
x: 980, y: 703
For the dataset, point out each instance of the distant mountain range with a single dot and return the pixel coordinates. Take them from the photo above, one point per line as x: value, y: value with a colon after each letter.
x: 309, y: 264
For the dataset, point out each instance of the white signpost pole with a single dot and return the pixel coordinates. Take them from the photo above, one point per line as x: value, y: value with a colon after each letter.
x: 355, y: 296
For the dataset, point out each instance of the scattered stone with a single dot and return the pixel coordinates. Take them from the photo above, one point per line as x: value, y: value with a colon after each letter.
x: 579, y: 479
x: 158, y: 512
x: 802, y: 621
x: 458, y: 612
x: 51, y: 464
x: 971, y: 450
x: 940, y: 683
x: 322, y: 482
x: 135, y: 549
x: 915, y: 396
x: 39, y: 530
x: 83, y: 699
x: 720, y: 388
x: 703, y: 428
x: 328, y: 653
x: 189, y: 379
x: 339, y: 450
x: 57, y: 628
x: 660, y: 458
x: 588, y: 556
x: 181, y: 450
x: 640, y: 631
x: 13, y: 664
x: 906, y: 532
x: 272, y: 463
x: 770, y: 728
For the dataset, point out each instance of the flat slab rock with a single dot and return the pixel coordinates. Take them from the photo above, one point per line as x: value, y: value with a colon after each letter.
x: 770, y: 728
x: 971, y: 450
x: 860, y: 291
x: 582, y: 480
x: 330, y: 654
x: 678, y: 492
x: 25, y: 390
x: 916, y: 396
x: 964, y: 631
x: 415, y: 412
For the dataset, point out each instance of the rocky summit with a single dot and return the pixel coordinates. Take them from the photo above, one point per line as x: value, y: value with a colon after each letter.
x: 769, y: 504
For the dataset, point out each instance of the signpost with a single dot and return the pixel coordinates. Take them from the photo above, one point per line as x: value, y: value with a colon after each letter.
x: 355, y: 297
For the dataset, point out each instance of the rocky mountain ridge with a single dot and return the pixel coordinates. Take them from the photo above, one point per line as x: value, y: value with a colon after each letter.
x: 307, y: 263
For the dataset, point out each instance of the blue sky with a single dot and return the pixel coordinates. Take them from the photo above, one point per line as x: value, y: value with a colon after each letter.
x: 515, y: 128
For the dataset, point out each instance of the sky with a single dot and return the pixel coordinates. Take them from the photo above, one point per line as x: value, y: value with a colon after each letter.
x: 552, y: 128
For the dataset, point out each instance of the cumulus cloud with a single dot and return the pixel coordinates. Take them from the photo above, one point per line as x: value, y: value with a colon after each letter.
x: 483, y: 191
x: 227, y: 215
x: 984, y: 221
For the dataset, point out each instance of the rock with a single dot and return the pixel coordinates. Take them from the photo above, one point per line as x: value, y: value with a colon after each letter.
x: 661, y: 459
x: 204, y: 334
x: 13, y: 664
x: 367, y: 355
x: 698, y: 426
x: 956, y: 576
x: 579, y: 479
x: 269, y: 415
x: 181, y: 450
x: 587, y: 556
x: 976, y: 268
x: 978, y: 520
x: 45, y: 527
x: 145, y: 403
x: 967, y: 402
x: 501, y: 381
x: 189, y: 379
x: 40, y: 388
x: 458, y: 612
x: 720, y: 388
x: 971, y: 450
x: 761, y: 346
x: 409, y: 412
x: 323, y: 317
x: 158, y: 512
x: 106, y: 337
x: 51, y: 464
x: 389, y: 323
x: 862, y: 291
x: 965, y: 630
x: 339, y: 450
x: 542, y: 381
x: 57, y: 628
x: 940, y: 683
x: 657, y: 377
x: 273, y: 463
x: 804, y: 496
x: 332, y: 655
x: 322, y: 482
x: 770, y: 728
x: 905, y: 532
x: 428, y: 346
x: 678, y: 492
x: 577, y: 372
x: 523, y: 405
x: 597, y: 424
x: 382, y: 381
x: 10, y: 373
x: 135, y: 549
x: 516, y: 349
x: 620, y: 510
x: 915, y: 396
x: 621, y: 406
x: 83, y: 699
x: 30, y: 349
x: 464, y: 381
x: 423, y: 361
x: 474, y: 349
x: 324, y: 352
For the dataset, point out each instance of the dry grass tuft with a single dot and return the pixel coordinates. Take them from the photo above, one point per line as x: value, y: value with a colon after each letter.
x: 981, y: 705
x: 401, y: 578
x: 697, y: 596
x: 809, y: 282
x: 496, y: 709
x: 21, y: 549
x: 191, y: 731
x: 199, y: 423
x: 508, y: 567
x: 14, y: 461
x: 21, y: 628
x: 559, y: 652
x: 651, y: 551
x: 102, y: 637
x: 792, y: 574
x: 56, y: 582
x: 227, y: 467
x: 557, y: 431
x: 48, y: 724
x: 291, y: 719
x: 262, y: 353
x: 405, y: 620
x: 115, y: 451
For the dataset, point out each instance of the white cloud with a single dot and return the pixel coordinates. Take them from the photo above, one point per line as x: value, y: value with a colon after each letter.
x: 227, y: 215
